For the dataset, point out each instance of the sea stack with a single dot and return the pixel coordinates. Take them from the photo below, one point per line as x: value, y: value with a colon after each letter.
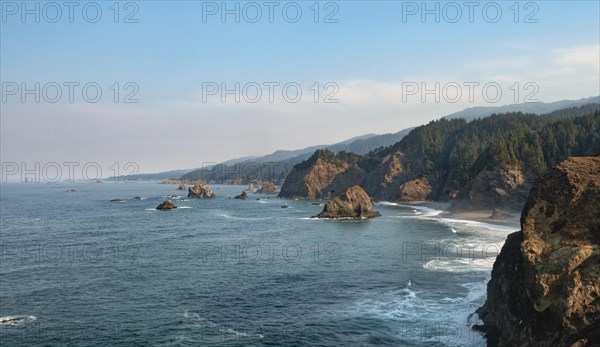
x: 545, y: 285
x: 268, y: 188
x: 353, y: 203
x: 200, y: 191
x: 166, y: 205
x: 182, y: 186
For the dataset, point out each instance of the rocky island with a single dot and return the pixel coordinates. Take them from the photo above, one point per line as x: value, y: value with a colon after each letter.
x: 200, y: 191
x: 268, y: 188
x: 353, y: 203
x: 166, y: 205
x: 545, y: 285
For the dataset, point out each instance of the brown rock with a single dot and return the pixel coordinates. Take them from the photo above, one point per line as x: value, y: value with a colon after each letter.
x: 545, y: 285
x: 499, y: 214
x: 353, y: 203
x: 200, y: 191
x: 166, y: 205
x: 506, y: 187
x: 415, y: 190
x: 182, y: 186
x: 268, y: 188
x: 242, y: 196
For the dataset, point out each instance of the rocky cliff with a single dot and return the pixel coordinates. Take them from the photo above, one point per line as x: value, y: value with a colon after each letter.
x: 354, y: 202
x: 320, y: 178
x: 506, y: 187
x: 545, y: 285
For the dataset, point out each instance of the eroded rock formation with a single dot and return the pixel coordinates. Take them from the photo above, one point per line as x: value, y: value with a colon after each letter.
x: 353, y: 203
x: 545, y: 285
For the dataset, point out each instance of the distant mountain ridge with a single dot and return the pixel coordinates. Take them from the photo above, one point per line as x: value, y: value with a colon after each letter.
x: 277, y: 165
x: 530, y: 107
x: 359, y: 145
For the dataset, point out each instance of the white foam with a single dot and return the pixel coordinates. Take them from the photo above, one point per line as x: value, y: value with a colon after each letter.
x: 460, y: 265
x: 218, y: 327
x: 15, y: 320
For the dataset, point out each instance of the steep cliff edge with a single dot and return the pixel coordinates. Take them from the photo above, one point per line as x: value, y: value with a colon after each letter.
x: 545, y: 285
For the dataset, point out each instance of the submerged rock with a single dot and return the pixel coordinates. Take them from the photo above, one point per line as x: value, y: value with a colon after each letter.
x: 353, y: 203
x: 137, y: 198
x: 71, y: 191
x: 242, y: 196
x: 545, y: 285
x: 200, y: 191
x: 117, y: 200
x: 166, y: 205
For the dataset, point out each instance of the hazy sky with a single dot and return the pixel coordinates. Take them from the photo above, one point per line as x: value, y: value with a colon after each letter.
x: 173, y: 54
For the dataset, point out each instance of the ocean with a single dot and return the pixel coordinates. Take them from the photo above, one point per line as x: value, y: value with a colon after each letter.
x: 79, y: 270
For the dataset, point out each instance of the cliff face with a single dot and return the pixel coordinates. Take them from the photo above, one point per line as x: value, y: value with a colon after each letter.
x: 506, y: 187
x: 314, y: 182
x: 545, y: 285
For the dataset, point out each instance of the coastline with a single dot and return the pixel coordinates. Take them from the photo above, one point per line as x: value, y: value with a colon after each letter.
x: 513, y: 218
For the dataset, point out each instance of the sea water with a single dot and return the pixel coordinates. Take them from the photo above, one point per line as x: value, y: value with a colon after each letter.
x: 79, y: 270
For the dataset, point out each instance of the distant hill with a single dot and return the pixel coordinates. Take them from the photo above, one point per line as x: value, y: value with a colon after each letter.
x: 159, y: 176
x: 482, y: 164
x: 530, y: 107
x: 277, y: 165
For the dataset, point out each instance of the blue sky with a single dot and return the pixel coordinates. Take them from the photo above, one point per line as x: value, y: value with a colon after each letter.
x: 369, y: 53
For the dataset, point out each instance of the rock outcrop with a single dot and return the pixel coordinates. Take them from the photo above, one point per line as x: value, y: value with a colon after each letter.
x: 545, y: 285
x: 166, y: 205
x: 182, y: 186
x: 499, y: 214
x: 268, y: 188
x: 353, y: 203
x: 200, y: 191
x: 242, y: 196
x: 507, y: 187
x: 320, y: 180
x: 415, y: 190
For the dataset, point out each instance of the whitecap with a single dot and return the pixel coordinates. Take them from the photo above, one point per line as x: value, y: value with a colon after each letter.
x: 15, y: 320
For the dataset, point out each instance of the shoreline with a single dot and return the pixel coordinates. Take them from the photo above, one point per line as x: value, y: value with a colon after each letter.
x: 513, y: 218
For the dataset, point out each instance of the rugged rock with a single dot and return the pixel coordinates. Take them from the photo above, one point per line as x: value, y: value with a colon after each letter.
x: 499, y: 214
x: 200, y: 191
x: 545, y: 285
x: 505, y: 187
x: 313, y: 182
x: 182, y: 186
x: 251, y: 187
x: 353, y: 203
x: 268, y: 188
x: 385, y: 181
x: 166, y: 205
x: 242, y: 196
x: 415, y: 190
